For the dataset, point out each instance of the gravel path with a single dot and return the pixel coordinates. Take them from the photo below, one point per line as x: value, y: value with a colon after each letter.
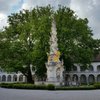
x: 17, y: 94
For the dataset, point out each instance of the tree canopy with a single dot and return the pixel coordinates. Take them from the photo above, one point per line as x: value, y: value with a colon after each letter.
x: 27, y: 41
x: 74, y: 38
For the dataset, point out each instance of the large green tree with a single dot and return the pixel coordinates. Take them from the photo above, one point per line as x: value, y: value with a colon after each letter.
x: 25, y: 42
x: 74, y: 38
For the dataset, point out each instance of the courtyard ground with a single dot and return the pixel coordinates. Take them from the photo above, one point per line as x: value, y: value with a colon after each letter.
x: 17, y: 94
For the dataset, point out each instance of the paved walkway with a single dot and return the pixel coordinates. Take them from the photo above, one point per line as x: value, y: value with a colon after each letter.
x: 17, y: 94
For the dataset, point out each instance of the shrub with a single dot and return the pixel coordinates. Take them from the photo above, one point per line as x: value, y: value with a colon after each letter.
x: 23, y: 86
x: 76, y: 88
x: 97, y: 85
x: 6, y: 85
x: 51, y: 87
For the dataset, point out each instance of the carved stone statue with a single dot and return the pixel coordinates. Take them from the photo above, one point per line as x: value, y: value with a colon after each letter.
x: 54, y: 75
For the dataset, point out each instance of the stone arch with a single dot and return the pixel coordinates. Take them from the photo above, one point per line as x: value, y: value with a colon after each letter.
x: 15, y: 78
x: 3, y: 78
x: 9, y: 78
x: 91, y: 79
x: 67, y: 79
x: 75, y: 78
x: 21, y: 78
x: 83, y: 79
x: 98, y: 68
x: 91, y: 68
x: 98, y: 78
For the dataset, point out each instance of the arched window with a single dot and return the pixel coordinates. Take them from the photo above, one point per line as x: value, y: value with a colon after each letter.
x: 21, y: 78
x: 83, y: 79
x: 15, y: 78
x: 4, y: 78
x: 98, y: 78
x: 90, y: 68
x: 91, y: 79
x: 9, y: 78
x: 67, y: 79
x: 98, y: 68
x: 75, y: 78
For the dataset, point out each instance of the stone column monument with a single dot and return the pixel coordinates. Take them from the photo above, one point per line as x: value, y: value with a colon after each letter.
x: 54, y: 65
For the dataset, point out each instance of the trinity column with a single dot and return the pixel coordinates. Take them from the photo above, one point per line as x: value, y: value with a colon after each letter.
x: 54, y: 66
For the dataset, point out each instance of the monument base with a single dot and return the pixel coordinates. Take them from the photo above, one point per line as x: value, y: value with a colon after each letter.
x: 55, y: 73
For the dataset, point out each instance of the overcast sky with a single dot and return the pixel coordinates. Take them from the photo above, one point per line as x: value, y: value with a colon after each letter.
x: 83, y: 8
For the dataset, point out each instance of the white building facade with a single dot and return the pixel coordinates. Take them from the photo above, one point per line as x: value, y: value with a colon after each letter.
x: 78, y: 76
x: 11, y: 77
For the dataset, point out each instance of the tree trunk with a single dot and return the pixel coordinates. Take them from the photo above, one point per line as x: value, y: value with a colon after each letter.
x: 29, y: 76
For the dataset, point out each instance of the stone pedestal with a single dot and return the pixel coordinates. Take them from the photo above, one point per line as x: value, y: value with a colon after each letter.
x: 55, y: 73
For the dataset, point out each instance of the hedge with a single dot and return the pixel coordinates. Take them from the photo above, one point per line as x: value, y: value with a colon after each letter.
x: 97, y: 85
x: 48, y: 87
x: 28, y: 86
x: 76, y: 88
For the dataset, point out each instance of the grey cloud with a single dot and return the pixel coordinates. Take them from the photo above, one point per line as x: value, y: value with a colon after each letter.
x: 83, y: 8
x: 5, y: 5
x: 89, y: 9
x: 53, y: 3
x: 94, y: 18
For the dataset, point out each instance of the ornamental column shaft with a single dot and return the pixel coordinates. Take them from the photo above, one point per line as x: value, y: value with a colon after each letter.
x: 54, y: 65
